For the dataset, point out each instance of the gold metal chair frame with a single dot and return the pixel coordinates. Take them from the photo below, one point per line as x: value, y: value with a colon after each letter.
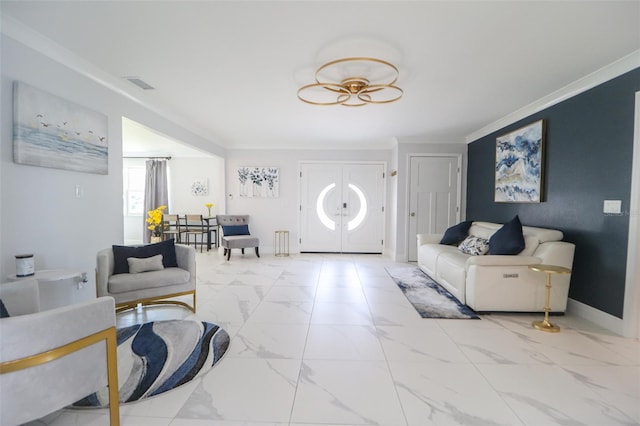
x: 109, y: 335
x: 159, y: 300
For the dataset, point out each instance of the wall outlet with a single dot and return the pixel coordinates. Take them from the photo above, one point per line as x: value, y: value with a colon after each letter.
x: 612, y: 206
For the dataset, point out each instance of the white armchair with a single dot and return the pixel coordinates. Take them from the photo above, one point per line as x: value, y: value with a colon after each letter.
x: 53, y: 358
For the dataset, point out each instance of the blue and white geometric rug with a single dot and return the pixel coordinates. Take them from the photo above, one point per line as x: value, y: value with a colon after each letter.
x: 429, y: 298
x: 159, y: 356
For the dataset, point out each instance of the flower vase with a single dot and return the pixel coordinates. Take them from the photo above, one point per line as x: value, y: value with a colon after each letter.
x: 209, y: 208
x: 155, y: 239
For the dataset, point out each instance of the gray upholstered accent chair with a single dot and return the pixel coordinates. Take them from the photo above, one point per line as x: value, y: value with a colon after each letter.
x: 235, y: 234
x: 53, y: 358
x: 151, y: 287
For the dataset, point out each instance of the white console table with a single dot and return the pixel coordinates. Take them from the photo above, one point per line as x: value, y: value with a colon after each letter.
x: 60, y: 287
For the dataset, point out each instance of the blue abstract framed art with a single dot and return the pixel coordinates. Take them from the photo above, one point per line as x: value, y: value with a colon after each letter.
x: 519, y: 165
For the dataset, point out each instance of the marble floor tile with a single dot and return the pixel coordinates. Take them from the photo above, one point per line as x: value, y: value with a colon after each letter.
x: 449, y: 394
x: 354, y: 342
x: 547, y: 394
x: 340, y: 294
x: 618, y: 385
x: 419, y: 344
x: 245, y: 390
x: 282, y: 313
x: 282, y: 293
x: 499, y: 346
x: 346, y: 392
x: 341, y: 313
x: 258, y: 340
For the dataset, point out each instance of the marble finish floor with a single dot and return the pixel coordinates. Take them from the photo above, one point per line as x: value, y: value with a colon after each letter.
x: 330, y: 340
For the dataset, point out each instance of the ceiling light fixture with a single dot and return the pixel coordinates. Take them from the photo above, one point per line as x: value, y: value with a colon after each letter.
x: 353, y: 82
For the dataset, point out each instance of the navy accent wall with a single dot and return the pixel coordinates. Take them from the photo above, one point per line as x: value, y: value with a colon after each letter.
x: 588, y: 159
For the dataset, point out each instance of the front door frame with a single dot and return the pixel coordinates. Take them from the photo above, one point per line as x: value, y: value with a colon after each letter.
x: 342, y: 163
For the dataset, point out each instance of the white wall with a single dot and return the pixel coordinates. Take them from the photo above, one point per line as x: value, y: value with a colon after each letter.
x: 39, y: 212
x: 270, y: 214
x: 183, y: 171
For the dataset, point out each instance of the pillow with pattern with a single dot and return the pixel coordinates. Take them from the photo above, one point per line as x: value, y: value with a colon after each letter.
x: 475, y: 246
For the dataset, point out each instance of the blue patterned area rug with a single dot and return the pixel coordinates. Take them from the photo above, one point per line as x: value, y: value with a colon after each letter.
x: 429, y: 298
x: 159, y: 356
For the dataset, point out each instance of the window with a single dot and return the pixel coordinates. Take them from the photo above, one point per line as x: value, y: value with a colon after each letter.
x: 134, y: 181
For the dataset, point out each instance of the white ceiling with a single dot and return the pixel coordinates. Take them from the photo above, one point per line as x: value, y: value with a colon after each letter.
x: 230, y: 70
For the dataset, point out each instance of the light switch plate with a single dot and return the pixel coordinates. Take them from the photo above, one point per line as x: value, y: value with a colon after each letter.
x: 613, y: 206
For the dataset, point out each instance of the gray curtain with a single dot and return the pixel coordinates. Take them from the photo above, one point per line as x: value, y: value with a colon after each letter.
x: 156, y: 191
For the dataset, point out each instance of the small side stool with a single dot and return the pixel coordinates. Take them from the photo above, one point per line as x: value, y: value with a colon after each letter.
x: 545, y: 325
x: 281, y: 243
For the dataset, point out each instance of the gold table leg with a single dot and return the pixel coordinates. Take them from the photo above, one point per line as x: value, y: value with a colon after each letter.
x: 545, y: 325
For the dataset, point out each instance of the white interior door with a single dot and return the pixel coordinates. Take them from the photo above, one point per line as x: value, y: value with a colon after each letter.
x: 434, y: 196
x: 341, y: 207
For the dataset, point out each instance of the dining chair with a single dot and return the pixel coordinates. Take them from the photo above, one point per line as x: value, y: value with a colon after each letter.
x: 195, y: 225
x: 171, y: 227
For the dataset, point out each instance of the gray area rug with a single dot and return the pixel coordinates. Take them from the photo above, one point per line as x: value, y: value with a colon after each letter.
x: 429, y: 298
x: 159, y: 356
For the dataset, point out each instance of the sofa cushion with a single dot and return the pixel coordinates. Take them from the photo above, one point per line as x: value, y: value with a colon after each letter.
x: 230, y: 230
x: 121, y: 253
x: 428, y: 256
x: 508, y: 239
x: 122, y: 283
x: 474, y: 246
x: 240, y: 241
x: 153, y: 263
x: 456, y: 234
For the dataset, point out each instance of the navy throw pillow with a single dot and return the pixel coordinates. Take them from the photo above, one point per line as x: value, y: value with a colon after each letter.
x: 166, y: 248
x: 456, y: 234
x: 508, y: 239
x: 230, y: 230
x: 3, y: 310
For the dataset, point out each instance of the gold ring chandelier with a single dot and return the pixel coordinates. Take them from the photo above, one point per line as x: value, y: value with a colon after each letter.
x: 353, y: 82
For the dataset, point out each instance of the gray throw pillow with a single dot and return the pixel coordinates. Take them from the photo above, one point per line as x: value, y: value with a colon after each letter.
x: 138, y: 265
x: 475, y: 246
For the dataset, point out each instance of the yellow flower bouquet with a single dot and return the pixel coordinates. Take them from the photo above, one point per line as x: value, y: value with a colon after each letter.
x: 155, y: 220
x: 208, y: 206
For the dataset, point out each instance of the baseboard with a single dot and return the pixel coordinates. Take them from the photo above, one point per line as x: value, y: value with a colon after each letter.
x: 596, y: 316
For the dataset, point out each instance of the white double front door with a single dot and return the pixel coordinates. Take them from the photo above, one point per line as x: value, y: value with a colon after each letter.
x: 342, y: 207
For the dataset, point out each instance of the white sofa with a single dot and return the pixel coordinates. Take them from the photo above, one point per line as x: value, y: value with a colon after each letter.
x: 489, y: 283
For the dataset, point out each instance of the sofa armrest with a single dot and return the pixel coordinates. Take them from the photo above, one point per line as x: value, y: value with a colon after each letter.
x: 429, y: 239
x: 104, y: 269
x: 55, y: 327
x: 503, y: 260
x: 558, y: 253
x: 186, y: 257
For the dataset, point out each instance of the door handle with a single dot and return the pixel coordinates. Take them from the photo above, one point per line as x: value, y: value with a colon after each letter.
x: 412, y: 214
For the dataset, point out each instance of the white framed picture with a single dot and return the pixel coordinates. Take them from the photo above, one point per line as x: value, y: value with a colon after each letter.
x: 199, y: 187
x: 259, y: 182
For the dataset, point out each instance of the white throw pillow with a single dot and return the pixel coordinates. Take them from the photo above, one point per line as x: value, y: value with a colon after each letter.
x: 137, y: 265
x: 475, y: 246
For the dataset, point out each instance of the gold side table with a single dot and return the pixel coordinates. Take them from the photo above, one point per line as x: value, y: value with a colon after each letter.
x: 545, y: 325
x: 281, y: 243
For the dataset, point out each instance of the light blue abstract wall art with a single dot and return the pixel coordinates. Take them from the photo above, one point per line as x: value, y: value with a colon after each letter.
x: 519, y: 165
x: 49, y: 131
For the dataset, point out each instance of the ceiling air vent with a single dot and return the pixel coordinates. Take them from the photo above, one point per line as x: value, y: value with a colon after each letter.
x: 140, y: 83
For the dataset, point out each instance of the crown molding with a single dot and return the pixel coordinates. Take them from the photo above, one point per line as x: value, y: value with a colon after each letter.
x: 604, y: 74
x: 18, y: 31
